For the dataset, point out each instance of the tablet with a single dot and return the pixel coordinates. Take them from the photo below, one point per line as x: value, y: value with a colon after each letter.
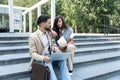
x: 59, y: 56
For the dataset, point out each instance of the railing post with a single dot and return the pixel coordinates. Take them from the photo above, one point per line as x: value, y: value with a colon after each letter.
x: 118, y: 31
x: 104, y: 24
x: 38, y: 5
x: 30, y: 21
x: 24, y: 23
x: 39, y: 10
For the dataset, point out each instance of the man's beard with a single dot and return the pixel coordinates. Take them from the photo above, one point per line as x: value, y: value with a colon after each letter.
x: 48, y: 29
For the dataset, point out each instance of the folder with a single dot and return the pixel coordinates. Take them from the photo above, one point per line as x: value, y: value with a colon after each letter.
x: 62, y: 41
x: 59, y: 56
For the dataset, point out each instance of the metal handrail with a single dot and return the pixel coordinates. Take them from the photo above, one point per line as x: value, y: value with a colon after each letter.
x: 112, y: 27
x: 106, y: 26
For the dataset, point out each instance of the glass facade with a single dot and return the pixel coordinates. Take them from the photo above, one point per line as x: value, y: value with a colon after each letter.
x: 4, y: 19
x: 4, y: 22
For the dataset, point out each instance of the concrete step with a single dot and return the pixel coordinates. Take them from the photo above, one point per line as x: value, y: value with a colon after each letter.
x: 14, y: 58
x: 10, y: 71
x: 13, y: 36
x: 92, y: 72
x: 13, y: 43
x: 96, y: 44
x: 77, y: 74
x: 27, y: 78
x: 20, y: 49
x: 84, y: 51
x: 77, y: 60
x: 100, y: 57
x: 95, y: 35
x: 25, y: 57
x: 14, y: 49
x: 96, y: 58
x: 95, y: 40
x: 87, y: 36
x: 115, y: 77
x: 110, y: 76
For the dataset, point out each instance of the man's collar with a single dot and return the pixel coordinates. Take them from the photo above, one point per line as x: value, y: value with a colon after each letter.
x: 40, y: 32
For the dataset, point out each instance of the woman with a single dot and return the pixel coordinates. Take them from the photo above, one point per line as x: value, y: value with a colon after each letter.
x: 62, y: 29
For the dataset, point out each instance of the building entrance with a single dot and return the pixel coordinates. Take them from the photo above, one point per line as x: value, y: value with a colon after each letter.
x: 4, y: 22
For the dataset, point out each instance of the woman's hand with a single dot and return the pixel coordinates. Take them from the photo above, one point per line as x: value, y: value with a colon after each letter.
x: 55, y: 49
x: 46, y: 59
x: 54, y: 33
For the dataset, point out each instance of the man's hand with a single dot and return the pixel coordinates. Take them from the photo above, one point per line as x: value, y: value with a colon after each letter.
x: 46, y: 59
x: 55, y: 49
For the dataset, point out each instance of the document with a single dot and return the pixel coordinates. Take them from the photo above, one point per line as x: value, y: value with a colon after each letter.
x: 62, y: 41
x: 59, y: 56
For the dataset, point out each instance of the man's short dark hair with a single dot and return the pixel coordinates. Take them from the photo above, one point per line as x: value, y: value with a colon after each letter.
x: 42, y: 18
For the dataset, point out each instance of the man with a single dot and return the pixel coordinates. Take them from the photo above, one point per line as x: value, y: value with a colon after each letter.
x: 41, y: 45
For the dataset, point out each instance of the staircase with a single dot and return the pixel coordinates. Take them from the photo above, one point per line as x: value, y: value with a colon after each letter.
x: 97, y: 57
x: 14, y: 57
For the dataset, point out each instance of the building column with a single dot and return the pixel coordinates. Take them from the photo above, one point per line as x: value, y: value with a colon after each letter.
x: 3, y: 21
x: 11, y: 16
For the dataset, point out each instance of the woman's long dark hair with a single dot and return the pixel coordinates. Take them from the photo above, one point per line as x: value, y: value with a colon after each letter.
x: 56, y: 28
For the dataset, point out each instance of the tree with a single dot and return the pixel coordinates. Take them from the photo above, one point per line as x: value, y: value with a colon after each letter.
x: 85, y: 16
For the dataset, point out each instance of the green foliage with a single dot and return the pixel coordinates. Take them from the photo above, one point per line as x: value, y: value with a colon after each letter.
x: 84, y: 16
x: 5, y: 2
x: 88, y: 13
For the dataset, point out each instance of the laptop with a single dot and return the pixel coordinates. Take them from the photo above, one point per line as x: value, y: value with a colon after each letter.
x: 59, y: 56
